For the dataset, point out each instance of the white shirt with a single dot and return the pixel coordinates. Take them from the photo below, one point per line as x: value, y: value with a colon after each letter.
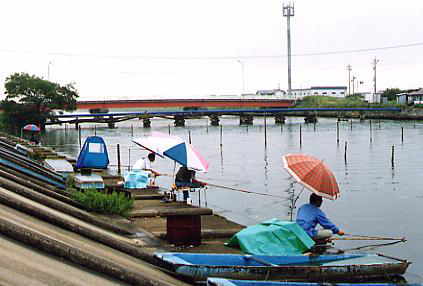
x: 142, y: 164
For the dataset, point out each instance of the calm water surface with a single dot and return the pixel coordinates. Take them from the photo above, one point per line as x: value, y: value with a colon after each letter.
x: 376, y: 198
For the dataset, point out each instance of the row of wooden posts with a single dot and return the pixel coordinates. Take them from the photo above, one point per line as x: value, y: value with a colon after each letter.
x: 265, y: 137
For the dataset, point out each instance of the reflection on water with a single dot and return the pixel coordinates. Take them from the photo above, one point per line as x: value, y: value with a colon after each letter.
x: 376, y: 197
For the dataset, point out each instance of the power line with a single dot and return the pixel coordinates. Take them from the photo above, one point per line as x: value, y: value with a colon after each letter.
x: 174, y: 58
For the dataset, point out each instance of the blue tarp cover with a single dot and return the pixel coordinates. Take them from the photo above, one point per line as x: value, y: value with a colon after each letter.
x: 272, y: 237
x: 136, y: 179
x: 93, y: 154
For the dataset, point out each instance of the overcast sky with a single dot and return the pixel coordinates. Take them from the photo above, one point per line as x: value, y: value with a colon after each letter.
x: 135, y: 49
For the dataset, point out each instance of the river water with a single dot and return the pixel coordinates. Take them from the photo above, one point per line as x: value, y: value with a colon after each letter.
x: 378, y: 198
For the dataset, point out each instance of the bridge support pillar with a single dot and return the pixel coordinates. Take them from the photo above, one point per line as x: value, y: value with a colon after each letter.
x: 179, y: 121
x: 76, y: 124
x: 279, y: 118
x: 310, y: 118
x: 246, y: 119
x: 146, y: 122
x: 214, y: 120
x: 111, y: 124
x: 362, y: 116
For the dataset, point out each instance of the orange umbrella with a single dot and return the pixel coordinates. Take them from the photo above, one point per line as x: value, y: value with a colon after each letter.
x: 313, y: 174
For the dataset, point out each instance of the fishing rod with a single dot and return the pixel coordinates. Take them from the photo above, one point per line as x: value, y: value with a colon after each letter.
x: 370, y: 246
x: 366, y: 237
x: 241, y: 190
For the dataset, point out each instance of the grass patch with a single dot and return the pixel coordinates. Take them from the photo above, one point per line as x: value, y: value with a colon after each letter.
x: 114, y: 203
x: 344, y: 102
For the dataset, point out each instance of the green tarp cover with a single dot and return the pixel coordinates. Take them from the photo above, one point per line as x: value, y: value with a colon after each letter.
x: 272, y: 237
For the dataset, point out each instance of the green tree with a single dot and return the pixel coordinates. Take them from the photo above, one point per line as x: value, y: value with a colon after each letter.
x: 391, y: 93
x: 29, y: 99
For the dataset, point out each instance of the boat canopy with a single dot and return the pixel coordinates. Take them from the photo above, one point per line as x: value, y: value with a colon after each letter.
x: 272, y: 237
x: 93, y: 154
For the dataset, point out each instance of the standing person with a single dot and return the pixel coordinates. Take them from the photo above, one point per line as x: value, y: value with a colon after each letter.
x: 186, y: 178
x: 145, y: 165
x: 309, y: 215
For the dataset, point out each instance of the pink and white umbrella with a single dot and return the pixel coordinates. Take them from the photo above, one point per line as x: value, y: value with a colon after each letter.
x: 174, y: 148
x: 31, y: 127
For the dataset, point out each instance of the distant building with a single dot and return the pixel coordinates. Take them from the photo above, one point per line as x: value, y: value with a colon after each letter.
x: 275, y: 92
x: 414, y: 97
x: 300, y: 93
x: 370, y: 97
x: 335, y: 91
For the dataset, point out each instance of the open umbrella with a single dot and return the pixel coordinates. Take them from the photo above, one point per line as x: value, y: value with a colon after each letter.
x: 174, y: 148
x: 313, y: 174
x: 31, y: 127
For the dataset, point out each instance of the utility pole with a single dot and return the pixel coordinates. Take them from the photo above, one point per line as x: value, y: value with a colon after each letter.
x: 375, y: 62
x: 288, y: 12
x: 349, y: 79
x: 353, y: 83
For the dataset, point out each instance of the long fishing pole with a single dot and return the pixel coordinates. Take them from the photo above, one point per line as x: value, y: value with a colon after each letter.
x: 367, y: 237
x: 370, y: 246
x: 230, y: 188
x: 241, y: 190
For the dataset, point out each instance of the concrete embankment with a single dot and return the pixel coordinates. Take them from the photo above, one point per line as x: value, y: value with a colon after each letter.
x: 76, y: 248
x: 24, y: 265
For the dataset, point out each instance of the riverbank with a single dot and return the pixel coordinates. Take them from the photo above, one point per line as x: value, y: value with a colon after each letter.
x: 144, y: 233
x: 406, y: 113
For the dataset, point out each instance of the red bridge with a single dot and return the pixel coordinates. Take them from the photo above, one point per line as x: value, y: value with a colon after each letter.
x: 187, y: 103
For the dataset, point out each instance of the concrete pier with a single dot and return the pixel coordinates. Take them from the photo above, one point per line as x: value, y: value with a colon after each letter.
x: 214, y: 120
x: 280, y: 118
x: 246, y: 119
x: 146, y: 123
x: 179, y: 121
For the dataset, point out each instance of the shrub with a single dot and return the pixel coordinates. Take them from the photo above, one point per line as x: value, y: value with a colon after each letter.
x: 114, y: 203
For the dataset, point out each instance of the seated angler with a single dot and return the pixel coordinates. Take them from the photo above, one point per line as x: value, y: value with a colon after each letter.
x: 310, y: 215
x: 186, y: 178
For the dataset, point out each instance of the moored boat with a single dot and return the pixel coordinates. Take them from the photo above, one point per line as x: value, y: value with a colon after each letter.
x: 320, y: 268
x: 229, y: 282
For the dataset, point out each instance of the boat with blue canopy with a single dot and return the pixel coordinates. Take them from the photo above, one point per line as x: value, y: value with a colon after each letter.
x: 313, y: 268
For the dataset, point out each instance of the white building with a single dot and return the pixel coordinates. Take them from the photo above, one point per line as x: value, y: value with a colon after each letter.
x: 335, y: 91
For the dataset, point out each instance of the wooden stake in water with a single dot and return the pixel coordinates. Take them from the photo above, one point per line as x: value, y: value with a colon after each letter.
x: 118, y: 157
x: 337, y: 132
x: 345, y: 151
x: 132, y: 130
x: 221, y: 135
x: 79, y: 137
x: 402, y: 134
x: 207, y: 126
x: 370, y: 127
x: 301, y: 139
x: 281, y: 127
x: 351, y: 125
x: 189, y: 136
x: 265, y: 131
x: 168, y: 127
x: 314, y: 126
x: 393, y: 156
x: 129, y: 159
x: 95, y: 130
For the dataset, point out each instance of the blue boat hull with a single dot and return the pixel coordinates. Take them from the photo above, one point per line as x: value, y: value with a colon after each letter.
x: 324, y: 268
x: 228, y: 282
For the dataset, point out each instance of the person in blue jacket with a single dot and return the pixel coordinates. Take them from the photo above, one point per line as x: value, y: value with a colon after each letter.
x: 310, y: 215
